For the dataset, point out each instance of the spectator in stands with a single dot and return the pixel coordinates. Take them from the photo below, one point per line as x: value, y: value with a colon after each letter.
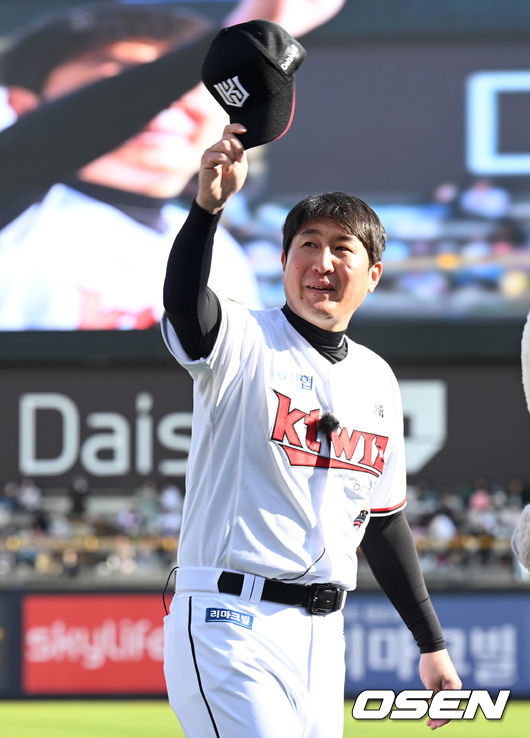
x: 518, y: 488
x: 171, y: 501
x: 70, y: 563
x: 481, y: 516
x: 59, y: 526
x: 147, y: 503
x: 171, y: 498
x: 484, y: 200
x: 29, y: 496
x: 8, y: 504
x: 41, y: 522
x: 507, y: 235
x: 480, y: 497
x: 79, y: 490
x: 129, y: 521
x: 8, y: 498
x: 441, y: 527
x: 422, y: 502
x: 445, y: 196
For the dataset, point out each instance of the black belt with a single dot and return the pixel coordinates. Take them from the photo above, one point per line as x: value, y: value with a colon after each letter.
x: 318, y: 599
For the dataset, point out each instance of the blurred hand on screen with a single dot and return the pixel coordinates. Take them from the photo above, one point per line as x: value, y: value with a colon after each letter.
x: 297, y: 17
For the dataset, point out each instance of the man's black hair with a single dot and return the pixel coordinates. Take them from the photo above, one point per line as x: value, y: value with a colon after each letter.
x: 55, y: 39
x: 353, y: 214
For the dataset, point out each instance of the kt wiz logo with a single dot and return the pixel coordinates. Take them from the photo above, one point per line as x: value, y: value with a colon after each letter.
x: 232, y: 92
x: 296, y: 433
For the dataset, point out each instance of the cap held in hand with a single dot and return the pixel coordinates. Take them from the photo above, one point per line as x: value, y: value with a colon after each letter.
x: 249, y: 69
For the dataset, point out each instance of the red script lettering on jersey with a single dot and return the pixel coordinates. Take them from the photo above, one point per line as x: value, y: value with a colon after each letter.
x: 361, y: 450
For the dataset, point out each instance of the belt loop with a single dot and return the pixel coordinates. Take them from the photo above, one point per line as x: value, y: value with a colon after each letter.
x: 257, y: 592
x: 252, y: 588
x: 248, y: 585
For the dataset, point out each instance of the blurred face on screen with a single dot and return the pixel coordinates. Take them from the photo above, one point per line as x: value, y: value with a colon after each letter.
x: 160, y: 160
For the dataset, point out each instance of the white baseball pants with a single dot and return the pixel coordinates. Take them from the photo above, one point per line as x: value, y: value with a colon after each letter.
x: 236, y: 666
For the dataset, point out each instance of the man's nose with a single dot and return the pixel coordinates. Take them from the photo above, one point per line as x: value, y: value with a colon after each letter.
x: 323, y: 261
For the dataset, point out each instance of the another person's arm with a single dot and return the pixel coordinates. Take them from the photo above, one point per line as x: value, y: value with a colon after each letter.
x: 192, y: 308
x: 59, y: 137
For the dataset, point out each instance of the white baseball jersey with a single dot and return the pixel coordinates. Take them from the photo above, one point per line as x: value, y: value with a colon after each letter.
x: 70, y: 246
x: 267, y: 493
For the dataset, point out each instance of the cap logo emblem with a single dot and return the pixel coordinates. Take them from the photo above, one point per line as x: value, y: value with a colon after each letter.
x: 232, y: 92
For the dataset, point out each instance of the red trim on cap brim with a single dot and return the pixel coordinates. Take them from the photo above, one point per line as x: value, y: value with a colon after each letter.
x: 290, y: 118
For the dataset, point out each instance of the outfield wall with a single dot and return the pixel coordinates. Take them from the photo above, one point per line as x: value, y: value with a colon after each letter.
x: 67, y: 644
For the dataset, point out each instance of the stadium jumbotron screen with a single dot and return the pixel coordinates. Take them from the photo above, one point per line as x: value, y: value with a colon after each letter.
x: 424, y: 129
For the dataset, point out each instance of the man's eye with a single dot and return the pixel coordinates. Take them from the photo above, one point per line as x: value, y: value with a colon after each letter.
x: 309, y: 243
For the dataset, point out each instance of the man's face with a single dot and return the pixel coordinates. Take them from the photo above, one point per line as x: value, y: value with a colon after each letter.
x: 161, y: 159
x: 327, y: 275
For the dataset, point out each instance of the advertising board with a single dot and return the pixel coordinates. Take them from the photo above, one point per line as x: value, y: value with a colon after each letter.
x: 487, y: 634
x: 112, y: 644
x: 118, y: 426
x: 83, y: 644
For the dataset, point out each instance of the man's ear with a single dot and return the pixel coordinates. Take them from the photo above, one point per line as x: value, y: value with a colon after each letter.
x: 374, y: 273
x: 22, y: 100
x: 284, y: 259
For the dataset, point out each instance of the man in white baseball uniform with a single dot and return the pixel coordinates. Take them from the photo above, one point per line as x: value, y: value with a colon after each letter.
x: 297, y: 458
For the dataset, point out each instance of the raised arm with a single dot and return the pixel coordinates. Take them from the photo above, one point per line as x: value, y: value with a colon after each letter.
x: 192, y: 308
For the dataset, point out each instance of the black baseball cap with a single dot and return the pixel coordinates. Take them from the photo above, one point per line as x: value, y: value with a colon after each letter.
x: 249, y: 69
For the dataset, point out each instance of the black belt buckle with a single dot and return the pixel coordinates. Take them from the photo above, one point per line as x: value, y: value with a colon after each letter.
x: 325, y: 598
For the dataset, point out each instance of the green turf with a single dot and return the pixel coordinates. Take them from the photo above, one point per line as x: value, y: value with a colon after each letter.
x: 154, y: 719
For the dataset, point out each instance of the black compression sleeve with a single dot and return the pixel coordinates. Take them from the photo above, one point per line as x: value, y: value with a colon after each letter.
x: 390, y: 551
x: 193, y: 308
x: 54, y: 141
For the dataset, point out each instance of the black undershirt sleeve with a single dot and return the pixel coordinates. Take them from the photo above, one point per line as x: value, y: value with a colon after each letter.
x: 60, y: 136
x: 191, y: 306
x: 390, y: 551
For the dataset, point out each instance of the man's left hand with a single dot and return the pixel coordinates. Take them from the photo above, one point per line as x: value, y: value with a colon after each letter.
x: 437, y: 672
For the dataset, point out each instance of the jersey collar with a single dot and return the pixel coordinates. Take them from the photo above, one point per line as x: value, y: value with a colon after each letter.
x: 330, y: 344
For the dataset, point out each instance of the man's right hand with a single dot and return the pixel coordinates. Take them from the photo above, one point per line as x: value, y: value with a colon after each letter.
x: 223, y: 170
